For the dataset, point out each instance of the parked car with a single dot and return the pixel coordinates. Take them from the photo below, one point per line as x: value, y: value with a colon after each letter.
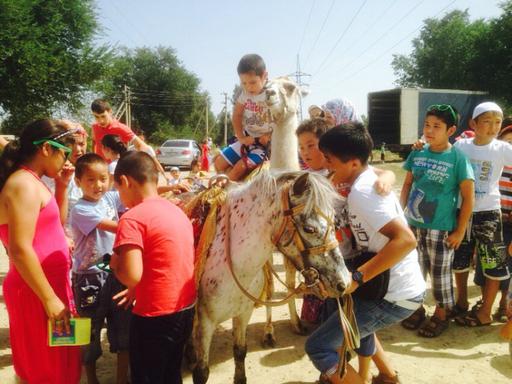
x: 178, y: 153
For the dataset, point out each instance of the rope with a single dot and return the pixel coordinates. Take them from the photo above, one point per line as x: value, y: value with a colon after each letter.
x: 293, y: 292
x: 351, y: 336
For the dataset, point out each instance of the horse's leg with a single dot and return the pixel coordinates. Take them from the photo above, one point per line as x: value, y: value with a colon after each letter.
x: 290, y: 274
x: 240, y: 345
x: 201, y: 340
x: 269, y: 340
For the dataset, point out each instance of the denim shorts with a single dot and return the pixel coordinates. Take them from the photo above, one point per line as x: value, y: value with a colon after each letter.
x: 93, y: 296
x: 371, y: 315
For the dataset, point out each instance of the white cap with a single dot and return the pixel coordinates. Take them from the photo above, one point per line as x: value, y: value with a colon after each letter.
x: 173, y: 169
x: 488, y: 106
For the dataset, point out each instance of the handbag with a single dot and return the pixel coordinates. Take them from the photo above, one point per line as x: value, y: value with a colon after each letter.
x: 374, y: 289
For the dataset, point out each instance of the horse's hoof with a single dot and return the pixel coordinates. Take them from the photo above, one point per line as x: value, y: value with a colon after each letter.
x: 269, y: 341
x: 300, y: 328
x: 200, y: 375
x: 240, y: 380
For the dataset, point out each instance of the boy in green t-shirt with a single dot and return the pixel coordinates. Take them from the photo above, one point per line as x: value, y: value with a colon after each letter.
x: 435, y: 175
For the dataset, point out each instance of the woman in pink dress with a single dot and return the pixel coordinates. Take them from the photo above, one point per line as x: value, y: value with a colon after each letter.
x: 37, y: 286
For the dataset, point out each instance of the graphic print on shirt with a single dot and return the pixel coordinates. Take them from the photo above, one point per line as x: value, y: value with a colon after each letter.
x: 430, y: 175
x: 483, y: 171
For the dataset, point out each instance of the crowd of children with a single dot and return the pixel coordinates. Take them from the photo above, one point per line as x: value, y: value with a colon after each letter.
x: 454, y: 211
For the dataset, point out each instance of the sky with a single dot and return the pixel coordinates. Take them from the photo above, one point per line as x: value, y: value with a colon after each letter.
x: 346, y: 46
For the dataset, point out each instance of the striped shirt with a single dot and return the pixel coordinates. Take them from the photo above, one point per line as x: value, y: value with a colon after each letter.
x: 505, y: 184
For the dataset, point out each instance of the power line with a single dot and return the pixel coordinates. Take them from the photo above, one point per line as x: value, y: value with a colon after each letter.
x: 320, y: 32
x: 381, y: 36
x: 341, y: 36
x: 306, y: 27
x: 379, y: 57
x: 371, y: 25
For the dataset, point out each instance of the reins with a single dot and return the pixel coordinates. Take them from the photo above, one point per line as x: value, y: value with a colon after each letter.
x: 346, y: 313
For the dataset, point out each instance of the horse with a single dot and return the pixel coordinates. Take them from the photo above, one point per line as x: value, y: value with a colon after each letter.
x: 291, y: 211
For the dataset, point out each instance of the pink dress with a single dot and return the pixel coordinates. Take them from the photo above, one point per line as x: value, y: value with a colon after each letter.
x: 33, y: 360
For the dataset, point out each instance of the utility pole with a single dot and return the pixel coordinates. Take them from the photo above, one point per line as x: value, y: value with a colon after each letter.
x: 225, y: 118
x: 128, y: 110
x: 298, y: 79
x: 206, y: 118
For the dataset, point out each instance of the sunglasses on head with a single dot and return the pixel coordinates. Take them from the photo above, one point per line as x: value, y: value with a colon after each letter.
x: 443, y: 108
x: 55, y: 144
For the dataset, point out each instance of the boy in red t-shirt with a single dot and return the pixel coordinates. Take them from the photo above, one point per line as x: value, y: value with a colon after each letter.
x: 154, y: 258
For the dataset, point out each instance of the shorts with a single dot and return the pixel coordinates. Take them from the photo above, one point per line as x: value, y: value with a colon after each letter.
x: 486, y: 239
x: 93, y: 296
x: 479, y: 278
x: 436, y: 260
x: 256, y: 154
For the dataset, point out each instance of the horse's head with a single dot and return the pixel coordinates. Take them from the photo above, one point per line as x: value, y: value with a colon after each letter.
x: 282, y: 97
x: 307, y: 235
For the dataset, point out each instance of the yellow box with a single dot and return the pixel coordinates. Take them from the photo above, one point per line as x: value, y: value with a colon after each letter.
x: 80, y: 333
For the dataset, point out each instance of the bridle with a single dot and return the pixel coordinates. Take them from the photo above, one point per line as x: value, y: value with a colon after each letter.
x: 310, y: 274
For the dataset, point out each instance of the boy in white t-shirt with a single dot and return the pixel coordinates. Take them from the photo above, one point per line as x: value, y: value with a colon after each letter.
x: 488, y: 156
x: 379, y: 226
x: 252, y: 121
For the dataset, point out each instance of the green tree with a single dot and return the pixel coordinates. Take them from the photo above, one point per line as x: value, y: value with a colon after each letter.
x: 443, y: 54
x: 165, y: 98
x: 454, y: 52
x: 47, y: 55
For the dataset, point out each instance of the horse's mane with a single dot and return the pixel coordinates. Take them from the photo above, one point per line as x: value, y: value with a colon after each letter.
x: 321, y: 194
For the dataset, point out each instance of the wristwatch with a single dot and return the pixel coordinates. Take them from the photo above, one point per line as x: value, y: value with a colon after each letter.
x: 357, y: 276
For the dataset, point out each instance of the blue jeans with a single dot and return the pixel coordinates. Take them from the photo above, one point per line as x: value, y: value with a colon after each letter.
x: 371, y: 316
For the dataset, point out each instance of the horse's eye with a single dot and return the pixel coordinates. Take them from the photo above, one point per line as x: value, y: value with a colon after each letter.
x: 309, y: 229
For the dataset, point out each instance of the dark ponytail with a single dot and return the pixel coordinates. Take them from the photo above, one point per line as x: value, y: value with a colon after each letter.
x: 114, y: 143
x: 22, y: 149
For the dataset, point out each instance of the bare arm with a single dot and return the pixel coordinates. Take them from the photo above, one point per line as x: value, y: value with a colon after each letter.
x: 127, y: 264
x: 107, y: 225
x: 61, y: 190
x: 142, y: 146
x: 385, y: 181
x: 467, y: 192
x: 3, y: 142
x: 238, y: 113
x: 406, y: 189
x: 401, y: 242
x: 23, y: 203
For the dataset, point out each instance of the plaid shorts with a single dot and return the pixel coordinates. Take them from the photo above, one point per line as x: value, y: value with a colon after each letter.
x: 436, y: 259
x: 486, y: 239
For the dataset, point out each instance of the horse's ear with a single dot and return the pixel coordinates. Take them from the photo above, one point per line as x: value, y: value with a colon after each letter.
x: 300, y: 185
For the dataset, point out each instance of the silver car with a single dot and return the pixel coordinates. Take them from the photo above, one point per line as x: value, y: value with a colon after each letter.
x: 178, y: 152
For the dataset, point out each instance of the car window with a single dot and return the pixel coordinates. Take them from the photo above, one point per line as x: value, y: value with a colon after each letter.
x: 176, y: 143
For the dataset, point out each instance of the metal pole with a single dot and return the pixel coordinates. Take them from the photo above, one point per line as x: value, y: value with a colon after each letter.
x: 206, y: 118
x: 225, y: 118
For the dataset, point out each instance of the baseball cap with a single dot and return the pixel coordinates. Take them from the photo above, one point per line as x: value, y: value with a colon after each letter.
x: 465, y: 135
x: 174, y: 169
x: 488, y: 106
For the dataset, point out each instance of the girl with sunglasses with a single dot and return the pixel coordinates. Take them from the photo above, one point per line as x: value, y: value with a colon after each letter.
x: 37, y: 287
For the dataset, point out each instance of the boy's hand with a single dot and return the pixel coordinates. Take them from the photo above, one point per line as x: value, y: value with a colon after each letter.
x: 126, y: 298
x: 454, y: 239
x: 506, y: 331
x: 418, y: 145
x: 383, y: 188
x: 246, y: 140
x: 265, y: 139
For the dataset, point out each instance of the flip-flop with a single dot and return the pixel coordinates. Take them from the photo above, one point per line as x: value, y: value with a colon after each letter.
x: 470, y: 320
x: 456, y: 311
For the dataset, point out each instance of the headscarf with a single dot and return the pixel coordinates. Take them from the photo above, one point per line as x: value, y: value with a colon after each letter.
x: 342, y: 110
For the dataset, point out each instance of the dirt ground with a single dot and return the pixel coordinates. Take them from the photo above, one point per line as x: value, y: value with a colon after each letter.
x: 460, y: 355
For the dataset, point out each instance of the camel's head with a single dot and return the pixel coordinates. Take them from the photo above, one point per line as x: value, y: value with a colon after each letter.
x: 282, y: 97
